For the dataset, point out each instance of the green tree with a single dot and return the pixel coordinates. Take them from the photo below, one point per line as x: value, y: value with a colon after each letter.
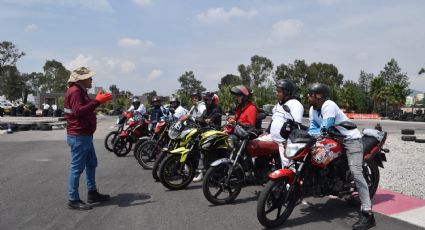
x: 227, y: 100
x: 244, y: 74
x: 421, y: 71
x: 229, y: 79
x: 56, y: 76
x: 353, y: 98
x: 9, y: 55
x: 260, y: 69
x: 12, y: 82
x: 188, y: 84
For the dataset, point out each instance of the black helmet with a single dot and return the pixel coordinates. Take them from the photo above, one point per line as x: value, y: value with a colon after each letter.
x: 287, y: 86
x: 240, y: 90
x: 319, y: 88
x: 135, y: 99
x: 196, y: 94
x: 154, y: 99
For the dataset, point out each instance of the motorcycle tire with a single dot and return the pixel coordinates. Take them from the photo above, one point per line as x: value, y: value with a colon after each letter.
x: 271, y: 199
x: 147, y: 154
x: 170, y: 171
x: 407, y: 131
x: 139, y: 142
x: 157, y: 164
x: 109, y: 140
x: 122, y: 146
x: 408, y: 138
x: 214, y: 184
x: 420, y: 140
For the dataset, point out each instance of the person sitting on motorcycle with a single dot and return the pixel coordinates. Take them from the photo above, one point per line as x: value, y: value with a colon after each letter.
x: 198, y: 107
x: 324, y: 113
x: 285, y: 90
x: 212, y: 115
x: 246, y: 111
x: 136, y: 106
x: 179, y: 111
x: 157, y: 111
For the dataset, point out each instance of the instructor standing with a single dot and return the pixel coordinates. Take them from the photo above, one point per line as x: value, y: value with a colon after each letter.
x: 81, y: 124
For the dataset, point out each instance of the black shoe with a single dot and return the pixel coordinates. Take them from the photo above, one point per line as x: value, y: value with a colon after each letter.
x: 78, y: 205
x: 366, y: 221
x: 94, y: 196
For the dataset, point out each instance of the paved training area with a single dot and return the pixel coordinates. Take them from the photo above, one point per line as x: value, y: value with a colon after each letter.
x: 33, y: 194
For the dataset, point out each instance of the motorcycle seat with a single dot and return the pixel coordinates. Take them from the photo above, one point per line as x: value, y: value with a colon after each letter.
x: 368, y: 143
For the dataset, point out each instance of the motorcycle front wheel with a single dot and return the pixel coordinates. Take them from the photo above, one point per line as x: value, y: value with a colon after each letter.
x: 122, y: 146
x: 272, y: 210
x: 221, y: 188
x: 110, y: 140
x: 176, y: 175
x: 147, y: 153
x: 155, y: 168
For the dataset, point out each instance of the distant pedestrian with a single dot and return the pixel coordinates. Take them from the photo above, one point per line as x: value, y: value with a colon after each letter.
x: 46, y: 108
x: 81, y: 124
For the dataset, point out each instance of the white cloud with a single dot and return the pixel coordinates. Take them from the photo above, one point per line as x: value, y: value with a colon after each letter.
x: 219, y: 15
x: 127, y: 66
x: 154, y: 74
x: 31, y: 28
x: 286, y: 28
x: 143, y: 2
x: 102, y: 64
x: 134, y: 42
x: 99, y: 5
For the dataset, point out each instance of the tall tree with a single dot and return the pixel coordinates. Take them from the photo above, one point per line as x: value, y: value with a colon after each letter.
x: 12, y: 82
x: 353, y: 98
x: 188, y: 84
x: 421, y: 71
x: 244, y: 72
x: 56, y: 77
x: 260, y: 69
x: 9, y: 54
x: 229, y: 79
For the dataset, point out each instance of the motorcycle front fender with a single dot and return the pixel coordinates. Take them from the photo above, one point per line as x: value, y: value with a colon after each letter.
x: 181, y: 151
x: 282, y: 173
x: 123, y: 134
x: 221, y: 161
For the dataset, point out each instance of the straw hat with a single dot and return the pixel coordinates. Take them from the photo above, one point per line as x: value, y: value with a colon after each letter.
x: 80, y: 73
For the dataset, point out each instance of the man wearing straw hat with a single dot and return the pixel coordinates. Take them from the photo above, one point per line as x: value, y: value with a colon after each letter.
x: 81, y: 124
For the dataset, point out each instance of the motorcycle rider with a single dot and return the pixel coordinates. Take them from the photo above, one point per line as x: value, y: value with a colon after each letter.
x: 179, y: 111
x: 212, y: 115
x: 198, y: 107
x: 246, y: 111
x: 137, y: 106
x: 324, y: 113
x: 157, y: 111
x: 285, y: 90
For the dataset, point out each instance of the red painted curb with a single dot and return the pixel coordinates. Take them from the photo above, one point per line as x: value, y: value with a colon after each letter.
x: 390, y: 203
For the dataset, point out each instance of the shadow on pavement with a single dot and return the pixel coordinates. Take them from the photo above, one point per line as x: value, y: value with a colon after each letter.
x: 126, y: 200
x: 380, y: 198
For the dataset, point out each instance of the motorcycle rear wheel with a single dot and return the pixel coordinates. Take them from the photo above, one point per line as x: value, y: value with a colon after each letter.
x: 214, y: 184
x: 147, y: 153
x: 122, y: 146
x: 172, y: 177
x: 272, y: 199
x: 110, y: 139
x: 372, y: 176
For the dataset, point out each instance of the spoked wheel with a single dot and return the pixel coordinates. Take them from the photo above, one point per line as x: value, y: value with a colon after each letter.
x: 147, y: 154
x: 139, y: 143
x: 155, y: 168
x: 221, y: 188
x: 175, y: 175
x: 110, y: 139
x: 272, y: 209
x: 372, y: 176
x: 122, y: 146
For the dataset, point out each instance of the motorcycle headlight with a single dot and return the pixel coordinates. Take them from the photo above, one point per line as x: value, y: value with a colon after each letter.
x: 292, y: 149
x: 231, y: 143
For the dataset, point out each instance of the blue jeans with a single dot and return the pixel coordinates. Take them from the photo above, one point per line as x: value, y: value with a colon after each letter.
x: 82, y: 156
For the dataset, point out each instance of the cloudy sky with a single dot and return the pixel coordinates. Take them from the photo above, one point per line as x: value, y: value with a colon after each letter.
x: 144, y: 45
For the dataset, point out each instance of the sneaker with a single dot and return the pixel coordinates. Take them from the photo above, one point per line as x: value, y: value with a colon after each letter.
x: 94, y: 196
x: 78, y: 205
x: 366, y: 221
x: 199, y: 177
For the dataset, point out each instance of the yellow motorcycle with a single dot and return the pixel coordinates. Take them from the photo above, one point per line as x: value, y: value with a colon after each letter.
x: 178, y: 168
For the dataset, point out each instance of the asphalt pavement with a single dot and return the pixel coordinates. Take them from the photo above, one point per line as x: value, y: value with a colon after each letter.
x: 33, y: 194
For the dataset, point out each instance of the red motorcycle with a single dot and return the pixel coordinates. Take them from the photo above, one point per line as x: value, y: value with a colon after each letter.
x: 225, y: 177
x: 137, y: 128
x: 319, y: 168
x: 112, y: 136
